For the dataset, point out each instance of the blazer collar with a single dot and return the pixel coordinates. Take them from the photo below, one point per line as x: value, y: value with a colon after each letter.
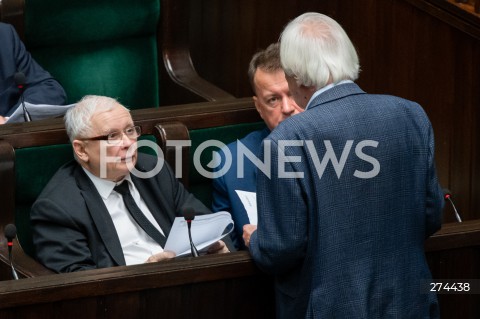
x: 335, y: 93
x: 100, y: 216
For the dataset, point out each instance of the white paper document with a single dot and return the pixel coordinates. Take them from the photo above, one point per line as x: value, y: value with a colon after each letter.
x: 206, y: 230
x: 249, y: 201
x: 38, y: 112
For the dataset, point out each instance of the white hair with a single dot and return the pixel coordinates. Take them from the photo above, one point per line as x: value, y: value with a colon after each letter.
x: 315, y: 50
x: 78, y: 118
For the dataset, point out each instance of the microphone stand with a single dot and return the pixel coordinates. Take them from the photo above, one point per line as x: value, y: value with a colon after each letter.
x: 447, y: 195
x: 10, y: 233
x: 26, y: 114
x: 20, y: 81
x: 192, y: 246
x: 14, y: 272
x: 457, y: 215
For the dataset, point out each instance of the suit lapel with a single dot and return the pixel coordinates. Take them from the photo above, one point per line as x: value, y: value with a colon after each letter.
x: 100, y: 216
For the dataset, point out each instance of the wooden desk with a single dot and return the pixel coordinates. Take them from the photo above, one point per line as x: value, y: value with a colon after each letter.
x: 453, y: 253
x: 215, y: 286
x: 221, y: 286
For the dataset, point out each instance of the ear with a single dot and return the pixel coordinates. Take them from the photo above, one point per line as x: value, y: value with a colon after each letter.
x: 307, y: 93
x: 79, y: 149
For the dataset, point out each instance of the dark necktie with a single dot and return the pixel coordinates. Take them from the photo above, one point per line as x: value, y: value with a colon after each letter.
x: 137, y: 214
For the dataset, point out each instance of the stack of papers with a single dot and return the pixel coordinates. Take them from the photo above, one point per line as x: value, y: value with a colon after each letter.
x: 38, y: 112
x: 206, y: 230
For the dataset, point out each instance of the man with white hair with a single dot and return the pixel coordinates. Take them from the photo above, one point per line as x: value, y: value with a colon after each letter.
x: 96, y: 212
x: 345, y: 239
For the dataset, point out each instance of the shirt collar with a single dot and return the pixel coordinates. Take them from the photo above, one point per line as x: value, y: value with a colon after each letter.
x: 325, y: 88
x: 104, y: 186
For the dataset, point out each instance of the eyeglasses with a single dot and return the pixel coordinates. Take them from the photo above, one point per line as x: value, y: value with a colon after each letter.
x: 115, y: 137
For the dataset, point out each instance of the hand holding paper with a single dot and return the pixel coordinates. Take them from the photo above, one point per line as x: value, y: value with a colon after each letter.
x: 206, y: 230
x: 249, y: 201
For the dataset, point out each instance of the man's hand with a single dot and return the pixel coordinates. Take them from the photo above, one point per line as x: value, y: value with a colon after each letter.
x: 2, y: 120
x: 160, y: 256
x: 248, y: 230
x: 218, y: 248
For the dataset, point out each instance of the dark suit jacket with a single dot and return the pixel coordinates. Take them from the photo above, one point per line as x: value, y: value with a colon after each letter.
x: 342, y: 244
x: 40, y: 87
x: 72, y: 229
x: 225, y: 197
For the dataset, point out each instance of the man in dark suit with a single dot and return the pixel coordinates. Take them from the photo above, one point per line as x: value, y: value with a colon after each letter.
x: 81, y: 219
x: 345, y: 239
x: 40, y: 86
x: 274, y: 103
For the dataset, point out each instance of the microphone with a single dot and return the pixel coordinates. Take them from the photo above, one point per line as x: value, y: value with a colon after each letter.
x: 189, y: 215
x: 448, y: 197
x: 10, y: 233
x: 20, y: 80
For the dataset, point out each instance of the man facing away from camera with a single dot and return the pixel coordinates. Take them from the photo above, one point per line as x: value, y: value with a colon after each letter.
x: 352, y: 193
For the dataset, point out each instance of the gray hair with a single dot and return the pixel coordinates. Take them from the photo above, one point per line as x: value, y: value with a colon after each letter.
x: 78, y: 118
x: 315, y: 50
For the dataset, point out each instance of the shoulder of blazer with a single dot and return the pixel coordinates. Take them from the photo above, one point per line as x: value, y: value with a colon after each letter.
x: 335, y: 93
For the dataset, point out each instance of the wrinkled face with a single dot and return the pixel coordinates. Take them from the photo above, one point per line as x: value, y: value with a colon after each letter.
x: 107, y: 160
x: 273, y: 99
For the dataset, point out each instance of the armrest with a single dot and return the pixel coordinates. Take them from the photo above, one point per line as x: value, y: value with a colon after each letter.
x: 24, y: 264
x: 180, y: 68
x: 174, y: 34
x: 174, y: 131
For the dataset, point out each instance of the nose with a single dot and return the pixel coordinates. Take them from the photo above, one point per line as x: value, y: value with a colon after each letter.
x: 127, y: 141
x: 287, y: 106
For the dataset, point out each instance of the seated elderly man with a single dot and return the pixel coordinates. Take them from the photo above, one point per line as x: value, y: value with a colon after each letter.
x: 97, y: 211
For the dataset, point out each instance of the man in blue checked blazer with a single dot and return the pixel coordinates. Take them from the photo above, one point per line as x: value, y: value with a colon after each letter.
x: 352, y: 193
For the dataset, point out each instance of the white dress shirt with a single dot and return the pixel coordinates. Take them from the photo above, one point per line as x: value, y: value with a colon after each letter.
x: 137, y: 246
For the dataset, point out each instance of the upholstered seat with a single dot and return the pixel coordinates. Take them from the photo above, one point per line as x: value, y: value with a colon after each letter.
x: 103, y: 47
x: 133, y: 50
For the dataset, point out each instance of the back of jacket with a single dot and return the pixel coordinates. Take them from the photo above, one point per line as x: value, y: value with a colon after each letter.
x: 352, y: 196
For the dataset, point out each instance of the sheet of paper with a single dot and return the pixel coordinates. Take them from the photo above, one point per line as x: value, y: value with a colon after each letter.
x: 249, y: 201
x: 38, y: 112
x: 206, y: 230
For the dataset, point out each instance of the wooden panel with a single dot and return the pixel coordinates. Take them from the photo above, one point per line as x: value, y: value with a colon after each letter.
x: 455, y: 235
x: 425, y: 51
x: 457, y: 265
x: 205, y: 287
x: 193, y: 115
x: 211, y: 286
x: 174, y: 58
x: 225, y: 34
x: 453, y: 254
x: 12, y: 12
